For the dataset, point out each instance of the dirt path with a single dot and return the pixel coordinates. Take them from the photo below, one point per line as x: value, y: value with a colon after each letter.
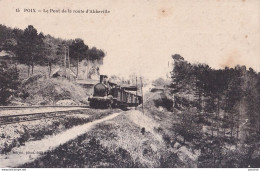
x: 33, y: 149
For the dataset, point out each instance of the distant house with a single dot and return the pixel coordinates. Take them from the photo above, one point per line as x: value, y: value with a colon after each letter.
x: 61, y: 72
x: 87, y: 81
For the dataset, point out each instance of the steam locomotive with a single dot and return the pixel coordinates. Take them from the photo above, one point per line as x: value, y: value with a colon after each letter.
x: 110, y: 95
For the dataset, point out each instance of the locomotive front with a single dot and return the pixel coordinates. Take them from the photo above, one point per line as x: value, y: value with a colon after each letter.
x: 100, y: 90
x: 101, y: 97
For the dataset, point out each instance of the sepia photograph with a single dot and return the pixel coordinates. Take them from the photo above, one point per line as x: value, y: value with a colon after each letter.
x: 129, y: 84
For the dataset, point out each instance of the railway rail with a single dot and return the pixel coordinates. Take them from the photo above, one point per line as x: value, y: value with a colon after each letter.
x: 41, y: 106
x: 25, y: 117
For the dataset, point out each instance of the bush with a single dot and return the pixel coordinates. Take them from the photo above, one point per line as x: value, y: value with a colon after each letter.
x: 164, y: 101
x: 80, y: 153
x: 9, y: 82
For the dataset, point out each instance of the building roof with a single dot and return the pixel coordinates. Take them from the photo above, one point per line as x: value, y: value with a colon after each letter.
x: 87, y: 81
x: 61, y: 72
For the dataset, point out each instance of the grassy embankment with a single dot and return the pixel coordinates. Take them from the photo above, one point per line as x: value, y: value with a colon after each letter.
x: 39, y: 89
x: 132, y: 139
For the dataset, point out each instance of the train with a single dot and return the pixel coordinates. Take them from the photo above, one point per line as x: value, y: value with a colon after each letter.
x: 110, y: 95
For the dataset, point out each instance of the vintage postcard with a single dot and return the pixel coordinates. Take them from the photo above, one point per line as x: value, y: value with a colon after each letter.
x: 129, y: 84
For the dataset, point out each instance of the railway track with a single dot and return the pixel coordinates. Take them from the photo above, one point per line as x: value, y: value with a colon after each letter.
x: 40, y: 106
x: 25, y: 117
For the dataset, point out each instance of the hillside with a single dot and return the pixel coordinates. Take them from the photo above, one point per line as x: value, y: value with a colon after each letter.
x: 29, y: 59
x: 52, y: 91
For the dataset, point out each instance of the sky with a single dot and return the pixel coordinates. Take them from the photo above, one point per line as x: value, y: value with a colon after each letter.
x: 139, y: 36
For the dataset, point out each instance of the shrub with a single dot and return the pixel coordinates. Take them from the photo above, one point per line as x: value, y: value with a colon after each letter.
x: 9, y: 82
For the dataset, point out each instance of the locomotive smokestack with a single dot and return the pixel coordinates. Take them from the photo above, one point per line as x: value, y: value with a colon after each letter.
x: 101, y: 78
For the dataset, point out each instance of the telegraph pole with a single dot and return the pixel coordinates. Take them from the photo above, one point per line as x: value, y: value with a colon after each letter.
x: 142, y: 94
x: 69, y: 56
x: 136, y: 89
x: 69, y: 63
x: 65, y: 58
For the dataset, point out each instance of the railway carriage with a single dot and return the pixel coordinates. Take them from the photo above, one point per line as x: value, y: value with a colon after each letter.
x: 107, y: 95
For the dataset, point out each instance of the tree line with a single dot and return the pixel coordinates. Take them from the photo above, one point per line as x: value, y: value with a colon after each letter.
x: 33, y: 48
x: 225, y: 100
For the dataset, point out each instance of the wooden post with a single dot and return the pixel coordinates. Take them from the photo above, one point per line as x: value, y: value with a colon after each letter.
x: 65, y: 63
x: 136, y: 89
x: 28, y: 69
x: 69, y: 56
x: 238, y: 118
x: 32, y: 65
x: 77, y: 67
x: 142, y: 94
x: 69, y: 62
